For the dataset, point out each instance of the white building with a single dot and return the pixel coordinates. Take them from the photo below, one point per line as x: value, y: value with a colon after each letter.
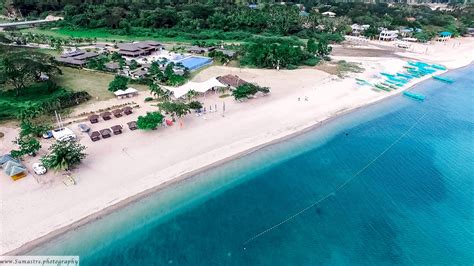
x: 388, y: 35
x: 329, y: 14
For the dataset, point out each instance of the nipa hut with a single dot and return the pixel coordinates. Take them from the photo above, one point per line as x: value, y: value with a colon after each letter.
x: 93, y: 118
x: 132, y: 125
x: 95, y: 136
x: 127, y: 110
x: 106, y: 115
x: 117, y: 129
x: 117, y: 112
x: 106, y: 133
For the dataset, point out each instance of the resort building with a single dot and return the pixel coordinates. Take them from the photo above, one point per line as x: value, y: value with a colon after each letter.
x: 199, y: 50
x: 12, y: 167
x: 444, y: 36
x: 112, y: 66
x: 329, y: 14
x: 137, y: 49
x: 122, y: 94
x: 388, y: 35
x: 76, y: 58
x: 357, y: 29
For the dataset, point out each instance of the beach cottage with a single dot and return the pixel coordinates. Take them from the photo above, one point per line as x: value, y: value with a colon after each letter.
x: 13, y: 167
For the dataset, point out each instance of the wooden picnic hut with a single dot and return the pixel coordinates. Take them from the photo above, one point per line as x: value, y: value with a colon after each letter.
x: 93, y: 118
x: 106, y: 115
x: 105, y: 133
x: 127, y: 110
x: 132, y: 125
x: 95, y: 136
x: 117, y: 129
x: 117, y: 112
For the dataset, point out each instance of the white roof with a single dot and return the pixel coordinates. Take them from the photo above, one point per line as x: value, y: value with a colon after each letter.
x: 196, y: 86
x: 329, y: 13
x: 62, y: 133
x: 125, y: 92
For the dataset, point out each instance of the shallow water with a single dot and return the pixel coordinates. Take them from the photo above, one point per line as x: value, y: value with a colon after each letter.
x: 412, y: 204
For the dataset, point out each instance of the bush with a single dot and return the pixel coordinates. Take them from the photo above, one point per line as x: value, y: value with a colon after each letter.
x: 291, y: 67
x: 148, y: 99
x: 312, y: 61
x: 150, y: 121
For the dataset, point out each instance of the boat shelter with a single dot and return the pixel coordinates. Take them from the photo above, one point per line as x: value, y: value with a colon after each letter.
x: 200, y: 87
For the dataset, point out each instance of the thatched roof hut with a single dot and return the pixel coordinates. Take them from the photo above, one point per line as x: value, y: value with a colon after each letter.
x: 93, y: 118
x: 231, y: 80
x: 106, y: 133
x: 95, y: 136
x: 117, y: 112
x: 127, y: 110
x: 132, y: 125
x: 117, y: 129
x: 106, y: 115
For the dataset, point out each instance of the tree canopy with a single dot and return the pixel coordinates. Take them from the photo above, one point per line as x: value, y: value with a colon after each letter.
x: 64, y: 155
x: 20, y: 68
x: 118, y: 83
x: 150, y: 121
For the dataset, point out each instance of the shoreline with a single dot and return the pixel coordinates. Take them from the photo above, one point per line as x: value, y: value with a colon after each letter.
x: 28, y: 246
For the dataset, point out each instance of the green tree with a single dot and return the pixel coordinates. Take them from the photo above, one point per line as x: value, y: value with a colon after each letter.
x: 150, y: 121
x: 28, y: 128
x: 323, y: 48
x: 118, y: 83
x: 155, y: 90
x: 28, y: 145
x: 311, y: 46
x: 247, y: 90
x: 195, y: 105
x: 190, y: 95
x: 64, y: 155
x: 178, y: 109
x: 21, y: 68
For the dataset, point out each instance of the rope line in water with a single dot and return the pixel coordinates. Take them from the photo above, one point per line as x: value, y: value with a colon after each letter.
x: 338, y: 188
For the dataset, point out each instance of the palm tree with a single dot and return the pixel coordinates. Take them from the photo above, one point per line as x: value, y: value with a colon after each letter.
x: 155, y: 90
x: 190, y: 95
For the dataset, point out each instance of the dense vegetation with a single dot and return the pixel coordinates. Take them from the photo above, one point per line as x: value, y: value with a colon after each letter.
x: 24, y: 94
x: 232, y: 20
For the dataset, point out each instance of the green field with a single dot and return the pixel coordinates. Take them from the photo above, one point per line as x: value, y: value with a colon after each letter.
x: 105, y: 35
x: 93, y: 82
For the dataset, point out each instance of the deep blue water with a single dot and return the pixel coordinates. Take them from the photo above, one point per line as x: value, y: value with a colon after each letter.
x: 412, y: 205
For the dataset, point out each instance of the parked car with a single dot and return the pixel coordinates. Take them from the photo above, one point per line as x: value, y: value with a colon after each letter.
x: 39, y: 169
x: 48, y: 134
x: 84, y: 128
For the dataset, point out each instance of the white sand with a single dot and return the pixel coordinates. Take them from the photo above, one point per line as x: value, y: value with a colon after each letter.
x: 125, y: 165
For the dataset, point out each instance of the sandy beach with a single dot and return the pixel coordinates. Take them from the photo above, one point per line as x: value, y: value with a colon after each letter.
x: 125, y: 167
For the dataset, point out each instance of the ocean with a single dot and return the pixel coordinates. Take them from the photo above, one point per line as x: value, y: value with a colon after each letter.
x: 388, y: 184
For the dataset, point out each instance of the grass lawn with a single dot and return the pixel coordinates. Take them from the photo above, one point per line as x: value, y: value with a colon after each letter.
x: 94, y: 82
x: 104, y: 35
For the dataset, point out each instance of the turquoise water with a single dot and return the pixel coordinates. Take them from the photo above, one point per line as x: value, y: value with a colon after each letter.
x: 412, y: 205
